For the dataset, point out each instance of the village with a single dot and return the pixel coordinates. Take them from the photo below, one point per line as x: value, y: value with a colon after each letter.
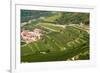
x: 31, y: 36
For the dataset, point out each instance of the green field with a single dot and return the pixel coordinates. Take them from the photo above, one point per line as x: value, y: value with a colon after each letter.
x: 60, y: 42
x: 58, y: 46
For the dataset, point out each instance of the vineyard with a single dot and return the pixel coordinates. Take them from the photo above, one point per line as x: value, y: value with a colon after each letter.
x: 58, y: 43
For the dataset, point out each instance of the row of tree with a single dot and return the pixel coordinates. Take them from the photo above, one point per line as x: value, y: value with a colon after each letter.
x: 74, y: 17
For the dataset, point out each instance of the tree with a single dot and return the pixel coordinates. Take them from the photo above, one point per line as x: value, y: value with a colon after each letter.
x: 73, y: 18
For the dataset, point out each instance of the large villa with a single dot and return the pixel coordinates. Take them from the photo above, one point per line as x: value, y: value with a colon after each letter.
x: 31, y: 36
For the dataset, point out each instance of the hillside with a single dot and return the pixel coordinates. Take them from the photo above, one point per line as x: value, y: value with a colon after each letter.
x: 65, y: 37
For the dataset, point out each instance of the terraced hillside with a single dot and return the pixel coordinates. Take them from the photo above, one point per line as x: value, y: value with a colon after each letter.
x: 57, y: 46
x: 64, y: 36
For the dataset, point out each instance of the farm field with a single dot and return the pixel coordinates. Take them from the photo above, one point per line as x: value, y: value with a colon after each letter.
x: 54, y: 36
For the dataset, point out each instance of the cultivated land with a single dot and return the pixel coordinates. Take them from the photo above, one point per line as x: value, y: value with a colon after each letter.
x: 58, y: 42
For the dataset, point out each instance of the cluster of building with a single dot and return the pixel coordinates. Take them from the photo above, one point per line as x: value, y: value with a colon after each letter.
x: 31, y: 36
